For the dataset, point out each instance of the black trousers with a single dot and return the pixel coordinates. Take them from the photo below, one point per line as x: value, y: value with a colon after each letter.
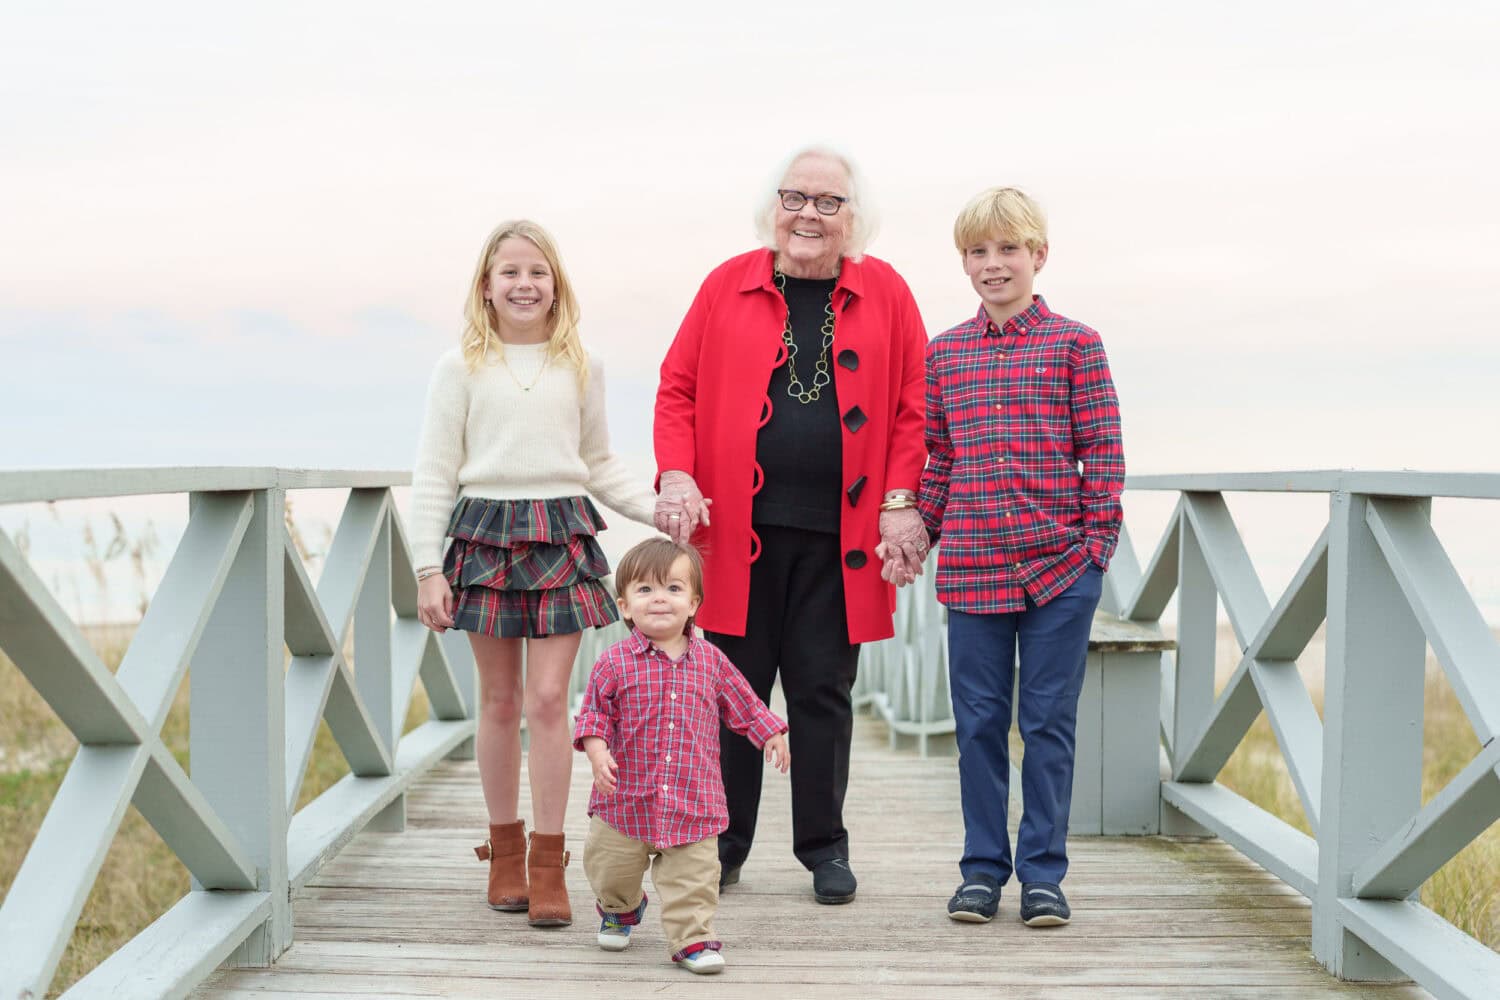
x: 796, y: 626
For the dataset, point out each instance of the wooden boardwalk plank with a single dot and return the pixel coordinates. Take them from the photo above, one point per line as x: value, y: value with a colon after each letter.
x: 403, y: 915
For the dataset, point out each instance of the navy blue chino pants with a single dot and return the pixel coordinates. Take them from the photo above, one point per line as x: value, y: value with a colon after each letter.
x: 1053, y: 641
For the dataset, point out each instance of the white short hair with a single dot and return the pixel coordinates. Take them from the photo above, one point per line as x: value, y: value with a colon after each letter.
x: 864, y: 222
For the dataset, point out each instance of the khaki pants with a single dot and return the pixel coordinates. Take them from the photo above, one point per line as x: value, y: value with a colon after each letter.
x: 686, y: 877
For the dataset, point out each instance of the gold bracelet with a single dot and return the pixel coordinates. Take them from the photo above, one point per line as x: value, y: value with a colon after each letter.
x: 424, y: 574
x: 899, y: 505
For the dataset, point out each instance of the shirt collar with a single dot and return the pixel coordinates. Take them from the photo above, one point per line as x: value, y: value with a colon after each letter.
x: 1021, y: 323
x: 640, y: 645
x: 760, y: 274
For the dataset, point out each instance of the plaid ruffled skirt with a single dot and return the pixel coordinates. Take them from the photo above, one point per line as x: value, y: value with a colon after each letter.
x: 527, y: 568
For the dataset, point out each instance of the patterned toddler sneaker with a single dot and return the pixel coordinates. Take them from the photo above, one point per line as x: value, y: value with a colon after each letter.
x: 704, y: 961
x: 614, y: 928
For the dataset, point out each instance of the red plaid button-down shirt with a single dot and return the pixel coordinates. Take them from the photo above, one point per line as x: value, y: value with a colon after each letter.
x: 1012, y: 413
x: 661, y: 718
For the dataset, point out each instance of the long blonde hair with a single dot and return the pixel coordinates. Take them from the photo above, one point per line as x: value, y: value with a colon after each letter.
x: 482, y: 336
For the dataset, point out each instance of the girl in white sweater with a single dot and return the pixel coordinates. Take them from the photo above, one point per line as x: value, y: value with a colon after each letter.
x: 513, y: 440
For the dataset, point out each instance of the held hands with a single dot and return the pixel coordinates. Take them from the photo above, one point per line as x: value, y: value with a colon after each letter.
x: 680, y: 506
x: 435, y: 603
x: 777, y: 754
x: 606, y: 771
x: 903, y: 546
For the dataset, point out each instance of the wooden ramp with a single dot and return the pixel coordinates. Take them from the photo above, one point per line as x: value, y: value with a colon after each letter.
x: 403, y: 915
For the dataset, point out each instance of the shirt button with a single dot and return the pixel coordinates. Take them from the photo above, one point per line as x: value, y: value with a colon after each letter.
x: 671, y: 725
x: 674, y: 694
x: 999, y: 459
x: 1018, y: 566
x: 664, y: 788
x: 999, y: 354
x: 669, y: 758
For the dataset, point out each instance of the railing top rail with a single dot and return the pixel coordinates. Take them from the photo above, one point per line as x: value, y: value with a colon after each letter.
x: 40, y: 485
x: 1396, y: 482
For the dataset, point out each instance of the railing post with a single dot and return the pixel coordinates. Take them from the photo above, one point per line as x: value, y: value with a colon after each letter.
x: 1372, y: 728
x: 1197, y: 651
x: 238, y: 721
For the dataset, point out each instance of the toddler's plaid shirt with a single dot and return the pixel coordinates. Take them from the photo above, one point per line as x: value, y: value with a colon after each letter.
x: 661, y: 718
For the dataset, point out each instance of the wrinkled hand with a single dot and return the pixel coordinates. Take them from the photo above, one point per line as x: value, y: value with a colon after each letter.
x: 680, y: 506
x: 777, y: 754
x: 903, y: 546
x: 435, y: 603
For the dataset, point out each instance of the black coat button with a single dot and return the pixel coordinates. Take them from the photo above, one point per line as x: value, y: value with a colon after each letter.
x: 849, y: 358
x: 854, y: 419
x: 855, y: 559
x: 855, y: 489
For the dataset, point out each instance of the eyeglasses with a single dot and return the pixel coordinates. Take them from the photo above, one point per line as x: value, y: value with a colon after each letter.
x: 826, y: 204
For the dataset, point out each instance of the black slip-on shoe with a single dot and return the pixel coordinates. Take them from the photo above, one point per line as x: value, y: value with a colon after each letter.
x: 834, y: 881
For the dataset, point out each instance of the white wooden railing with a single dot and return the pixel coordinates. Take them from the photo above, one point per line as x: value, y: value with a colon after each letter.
x: 265, y: 650
x: 1381, y: 580
x: 235, y: 600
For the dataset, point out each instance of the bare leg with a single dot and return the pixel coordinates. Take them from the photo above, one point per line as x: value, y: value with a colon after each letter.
x: 497, y: 742
x: 550, y: 764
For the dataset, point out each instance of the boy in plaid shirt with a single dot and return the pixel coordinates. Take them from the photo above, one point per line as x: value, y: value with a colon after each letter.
x: 650, y: 726
x: 1023, y: 480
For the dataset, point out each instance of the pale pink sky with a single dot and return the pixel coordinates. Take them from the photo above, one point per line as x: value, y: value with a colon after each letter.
x: 238, y: 237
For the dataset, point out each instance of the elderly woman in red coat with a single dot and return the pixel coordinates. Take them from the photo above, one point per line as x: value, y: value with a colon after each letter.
x: 791, y: 401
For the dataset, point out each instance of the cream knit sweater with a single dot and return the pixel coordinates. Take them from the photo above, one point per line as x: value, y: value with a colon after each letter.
x: 484, y: 436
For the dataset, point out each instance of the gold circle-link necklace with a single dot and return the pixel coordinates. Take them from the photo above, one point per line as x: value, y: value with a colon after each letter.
x: 821, y: 377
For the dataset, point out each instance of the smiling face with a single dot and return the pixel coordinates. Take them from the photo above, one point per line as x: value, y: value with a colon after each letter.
x: 519, y: 288
x: 1002, y: 271
x: 809, y: 245
x: 661, y: 608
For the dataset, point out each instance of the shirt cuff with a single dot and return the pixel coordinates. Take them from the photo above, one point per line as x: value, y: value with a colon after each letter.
x: 1099, y: 550
x: 766, y: 725
x: 589, y: 724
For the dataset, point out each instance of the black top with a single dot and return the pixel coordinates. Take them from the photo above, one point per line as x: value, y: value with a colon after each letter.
x: 800, y: 450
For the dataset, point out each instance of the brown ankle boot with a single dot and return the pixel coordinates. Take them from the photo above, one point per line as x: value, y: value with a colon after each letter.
x: 506, y: 853
x: 549, y: 889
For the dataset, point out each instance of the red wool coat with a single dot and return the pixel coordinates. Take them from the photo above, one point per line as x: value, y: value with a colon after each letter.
x: 712, y: 402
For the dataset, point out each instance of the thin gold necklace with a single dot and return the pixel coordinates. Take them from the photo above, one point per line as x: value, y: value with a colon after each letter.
x: 546, y: 360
